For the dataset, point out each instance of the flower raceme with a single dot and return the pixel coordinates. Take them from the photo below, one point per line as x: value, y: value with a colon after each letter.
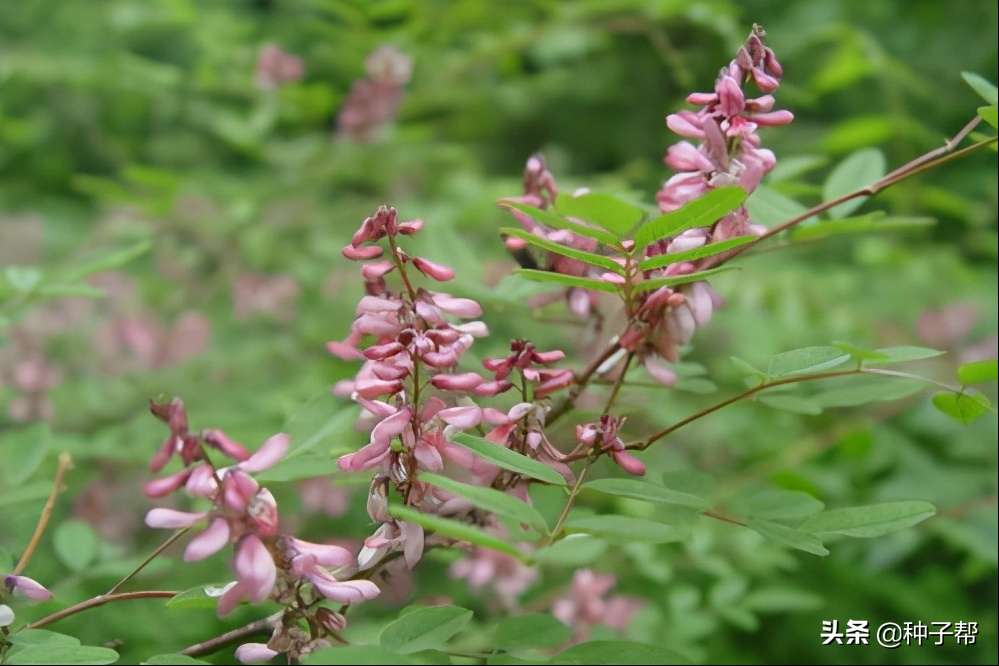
x: 415, y: 397
x: 268, y: 564
x: 598, y: 243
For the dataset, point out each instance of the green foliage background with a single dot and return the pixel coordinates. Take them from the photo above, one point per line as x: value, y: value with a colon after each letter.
x: 123, y: 120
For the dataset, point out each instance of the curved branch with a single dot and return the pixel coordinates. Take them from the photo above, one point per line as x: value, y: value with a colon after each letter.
x: 65, y: 463
x: 263, y: 625
x: 99, y: 601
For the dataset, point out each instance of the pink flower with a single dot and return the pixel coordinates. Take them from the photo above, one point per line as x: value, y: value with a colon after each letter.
x: 256, y: 574
x: 255, y: 653
x: 586, y: 605
x: 213, y: 539
x: 276, y: 67
x: 373, y: 101
x: 26, y: 587
x: 438, y: 272
x: 604, y: 434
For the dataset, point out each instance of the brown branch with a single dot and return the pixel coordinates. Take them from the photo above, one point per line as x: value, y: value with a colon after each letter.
x: 64, y: 464
x: 99, y: 601
x: 646, y: 443
x: 237, y: 635
x: 580, y: 383
x: 929, y: 160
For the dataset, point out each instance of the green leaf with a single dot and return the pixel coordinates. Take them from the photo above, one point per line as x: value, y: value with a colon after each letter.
x: 202, y: 596
x: 22, y: 278
x: 566, y: 280
x: 60, y: 653
x: 871, y: 222
x: 789, y: 168
x: 535, y: 630
x: 966, y: 407
x: 701, y: 212
x: 624, y: 528
x: 22, y: 451
x: 781, y: 599
x: 806, y: 360
x: 564, y: 250
x: 778, y: 504
x: 613, y: 214
x: 28, y: 493
x: 490, y: 499
x: 791, y: 403
x: 348, y: 655
x: 26, y: 637
x: 977, y: 372
x: 170, y: 659
x: 454, y: 529
x: 424, y: 629
x: 618, y: 652
x: 864, y: 390
x: 769, y: 207
x: 869, y: 521
x: 858, y: 170
x: 75, y: 544
x: 572, y: 551
x: 903, y: 354
x: 507, y: 459
x: 556, y: 221
x: 748, y: 367
x: 982, y: 86
x: 320, y: 421
x: 672, y: 281
x: 107, y: 262
x: 990, y: 114
x: 648, y: 492
x: 707, y: 250
x: 787, y: 536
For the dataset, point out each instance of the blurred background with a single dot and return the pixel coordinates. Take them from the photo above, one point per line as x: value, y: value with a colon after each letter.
x: 216, y: 156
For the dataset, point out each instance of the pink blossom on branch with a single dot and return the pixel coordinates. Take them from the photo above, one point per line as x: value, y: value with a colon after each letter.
x: 268, y: 563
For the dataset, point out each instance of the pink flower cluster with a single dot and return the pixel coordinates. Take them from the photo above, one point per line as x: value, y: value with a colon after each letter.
x: 604, y: 434
x: 586, y: 604
x: 729, y: 153
x: 268, y: 564
x: 373, y: 101
x: 415, y: 397
x: 276, y: 67
x: 540, y: 191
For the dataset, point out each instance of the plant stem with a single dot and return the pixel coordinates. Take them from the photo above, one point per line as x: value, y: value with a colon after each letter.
x: 152, y: 556
x: 619, y: 383
x: 568, y: 503
x: 234, y: 636
x: 644, y: 444
x: 99, y: 601
x: 580, y: 384
x: 64, y: 464
x: 929, y: 160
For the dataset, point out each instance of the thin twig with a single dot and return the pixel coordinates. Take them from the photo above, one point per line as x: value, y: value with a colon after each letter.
x: 152, y: 556
x: 644, y: 444
x: 618, y: 383
x: 932, y: 159
x: 580, y: 384
x: 99, y: 601
x: 568, y: 503
x: 236, y: 635
x: 64, y: 464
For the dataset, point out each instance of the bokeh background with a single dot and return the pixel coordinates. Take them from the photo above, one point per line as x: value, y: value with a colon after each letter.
x: 245, y: 140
